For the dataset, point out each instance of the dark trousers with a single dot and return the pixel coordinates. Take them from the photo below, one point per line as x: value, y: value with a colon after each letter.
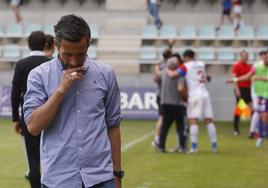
x: 32, y: 144
x: 171, y: 113
x: 106, y: 184
x: 246, y: 96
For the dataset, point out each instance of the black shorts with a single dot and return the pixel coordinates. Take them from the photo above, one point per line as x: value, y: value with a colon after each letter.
x: 226, y: 12
x: 245, y: 95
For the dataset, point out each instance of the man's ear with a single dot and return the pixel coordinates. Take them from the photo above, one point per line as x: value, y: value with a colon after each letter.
x: 57, y: 43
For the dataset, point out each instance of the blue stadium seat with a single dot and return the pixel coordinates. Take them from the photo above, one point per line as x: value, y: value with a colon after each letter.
x: 168, y: 32
x: 262, y: 32
x: 245, y: 33
x: 49, y: 29
x: 11, y: 51
x: 148, y: 53
x: 32, y: 27
x: 206, y: 54
x: 207, y: 32
x: 226, y: 32
x: 14, y: 30
x: 226, y: 55
x: 187, y: 32
x: 181, y: 49
x: 1, y: 31
x: 92, y: 52
x: 149, y: 32
x: 94, y: 29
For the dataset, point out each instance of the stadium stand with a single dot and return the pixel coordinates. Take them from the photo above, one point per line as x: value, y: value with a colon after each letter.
x: 195, y: 30
x: 148, y: 53
x: 168, y: 32
x: 149, y: 32
x: 123, y: 37
x: 207, y: 32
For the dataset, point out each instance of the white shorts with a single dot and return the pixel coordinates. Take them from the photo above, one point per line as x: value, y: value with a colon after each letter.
x: 237, y: 9
x: 199, y: 107
x: 15, y: 3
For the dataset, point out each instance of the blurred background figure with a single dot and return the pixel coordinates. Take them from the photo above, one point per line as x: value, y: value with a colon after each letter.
x: 36, y: 43
x: 50, y: 46
x: 226, y: 11
x: 153, y: 8
x: 253, y: 131
x: 157, y: 78
x: 238, y: 22
x: 241, y: 89
x: 15, y: 6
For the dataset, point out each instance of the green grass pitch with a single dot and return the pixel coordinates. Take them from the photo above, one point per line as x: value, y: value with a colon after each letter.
x: 238, y: 164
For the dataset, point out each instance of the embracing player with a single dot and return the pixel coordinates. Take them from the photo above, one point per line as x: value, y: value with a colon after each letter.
x: 199, y: 104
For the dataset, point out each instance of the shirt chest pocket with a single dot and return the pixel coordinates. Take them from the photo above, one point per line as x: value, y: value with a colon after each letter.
x: 91, y: 99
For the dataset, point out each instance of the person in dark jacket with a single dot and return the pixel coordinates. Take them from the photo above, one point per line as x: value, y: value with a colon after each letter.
x: 36, y: 43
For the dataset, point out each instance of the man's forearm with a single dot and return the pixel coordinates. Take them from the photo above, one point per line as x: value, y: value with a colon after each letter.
x: 115, y: 140
x: 43, y: 116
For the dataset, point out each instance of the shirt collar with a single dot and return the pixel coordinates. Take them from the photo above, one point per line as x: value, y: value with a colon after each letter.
x: 36, y: 53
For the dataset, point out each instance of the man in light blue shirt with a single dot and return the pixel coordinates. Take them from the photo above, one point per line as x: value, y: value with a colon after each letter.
x: 75, y: 103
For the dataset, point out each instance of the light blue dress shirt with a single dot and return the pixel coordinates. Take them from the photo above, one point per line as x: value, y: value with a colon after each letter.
x: 76, y: 147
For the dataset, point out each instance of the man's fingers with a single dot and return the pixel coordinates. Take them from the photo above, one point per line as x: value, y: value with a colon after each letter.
x: 77, y: 69
x: 76, y: 76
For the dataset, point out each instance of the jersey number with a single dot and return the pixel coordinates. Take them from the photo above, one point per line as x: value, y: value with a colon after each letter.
x: 201, y: 76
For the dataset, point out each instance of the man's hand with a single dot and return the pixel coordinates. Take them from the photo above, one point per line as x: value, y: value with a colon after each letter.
x: 17, y: 127
x: 260, y: 78
x: 230, y: 81
x: 118, y: 183
x: 69, y: 76
x: 172, y: 73
x: 237, y: 93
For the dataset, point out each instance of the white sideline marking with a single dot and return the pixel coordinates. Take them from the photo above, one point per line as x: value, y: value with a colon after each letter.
x: 136, y: 141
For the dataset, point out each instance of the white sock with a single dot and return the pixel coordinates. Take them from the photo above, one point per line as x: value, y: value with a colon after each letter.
x: 157, y: 139
x: 235, y: 23
x: 241, y: 23
x: 194, y: 133
x: 253, y: 123
x: 212, y: 132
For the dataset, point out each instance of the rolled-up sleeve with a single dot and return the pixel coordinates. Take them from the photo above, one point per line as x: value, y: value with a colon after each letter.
x: 112, y: 102
x: 35, y: 95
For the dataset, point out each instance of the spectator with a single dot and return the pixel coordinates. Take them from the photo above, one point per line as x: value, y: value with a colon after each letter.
x: 153, y: 7
x: 15, y: 6
x: 226, y: 11
x: 237, y: 14
x: 74, y: 103
x: 50, y: 46
x: 36, y: 43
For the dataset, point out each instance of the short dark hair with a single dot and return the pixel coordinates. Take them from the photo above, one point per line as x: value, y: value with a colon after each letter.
x: 49, y: 41
x: 37, y: 40
x: 71, y: 28
x: 263, y: 52
x: 189, y: 53
x: 167, y: 53
x: 178, y: 56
